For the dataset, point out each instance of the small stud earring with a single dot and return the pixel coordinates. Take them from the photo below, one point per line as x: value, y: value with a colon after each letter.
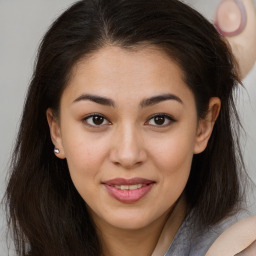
x: 56, y: 151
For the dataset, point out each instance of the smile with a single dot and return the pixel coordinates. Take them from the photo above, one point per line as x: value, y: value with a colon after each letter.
x: 129, y: 187
x: 128, y: 190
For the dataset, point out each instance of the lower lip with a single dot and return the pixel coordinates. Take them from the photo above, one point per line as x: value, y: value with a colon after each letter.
x: 128, y: 196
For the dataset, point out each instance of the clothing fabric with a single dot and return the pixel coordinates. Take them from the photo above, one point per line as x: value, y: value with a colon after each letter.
x: 191, y: 241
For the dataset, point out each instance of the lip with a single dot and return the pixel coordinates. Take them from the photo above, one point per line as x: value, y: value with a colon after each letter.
x: 132, y: 181
x: 128, y: 196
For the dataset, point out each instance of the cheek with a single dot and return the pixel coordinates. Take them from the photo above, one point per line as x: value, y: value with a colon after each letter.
x: 84, y: 163
x: 174, y: 163
x: 84, y: 158
x: 175, y: 152
x: 173, y: 158
x: 85, y: 155
x: 176, y: 166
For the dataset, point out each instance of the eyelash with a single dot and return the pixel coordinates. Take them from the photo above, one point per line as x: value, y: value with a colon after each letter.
x: 162, y: 115
x: 85, y: 120
x: 106, y: 122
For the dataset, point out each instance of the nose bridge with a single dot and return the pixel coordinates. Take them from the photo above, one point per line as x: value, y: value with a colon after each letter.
x: 128, y: 148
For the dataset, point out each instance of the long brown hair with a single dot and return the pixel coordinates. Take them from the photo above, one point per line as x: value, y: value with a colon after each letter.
x: 46, y: 213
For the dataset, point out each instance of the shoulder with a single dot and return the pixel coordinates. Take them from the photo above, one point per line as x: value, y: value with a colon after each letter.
x: 202, y: 239
x: 193, y: 241
x: 249, y: 251
x: 239, y: 239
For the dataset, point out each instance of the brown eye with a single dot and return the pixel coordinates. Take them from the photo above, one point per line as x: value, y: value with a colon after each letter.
x: 160, y: 120
x: 96, y: 120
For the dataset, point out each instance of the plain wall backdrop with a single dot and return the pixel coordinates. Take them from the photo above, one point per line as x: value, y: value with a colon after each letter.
x: 22, y: 26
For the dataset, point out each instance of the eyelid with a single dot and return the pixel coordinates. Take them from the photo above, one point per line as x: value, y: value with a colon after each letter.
x: 84, y: 119
x: 169, y: 117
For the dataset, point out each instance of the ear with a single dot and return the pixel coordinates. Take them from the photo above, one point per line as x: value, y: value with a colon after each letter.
x: 205, y: 125
x: 55, y: 132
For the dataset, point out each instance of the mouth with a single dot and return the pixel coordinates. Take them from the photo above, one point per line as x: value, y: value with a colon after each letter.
x: 128, y: 190
x: 129, y: 187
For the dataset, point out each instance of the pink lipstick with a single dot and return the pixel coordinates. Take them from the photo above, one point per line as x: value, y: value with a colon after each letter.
x: 128, y: 190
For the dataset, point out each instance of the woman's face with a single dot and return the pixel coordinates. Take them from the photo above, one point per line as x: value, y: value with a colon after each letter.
x: 128, y: 128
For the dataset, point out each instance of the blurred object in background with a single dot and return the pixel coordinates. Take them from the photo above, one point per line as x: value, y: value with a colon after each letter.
x: 236, y: 19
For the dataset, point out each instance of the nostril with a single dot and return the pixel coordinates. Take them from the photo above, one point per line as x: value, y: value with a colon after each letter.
x: 128, y: 164
x: 128, y: 149
x: 127, y: 161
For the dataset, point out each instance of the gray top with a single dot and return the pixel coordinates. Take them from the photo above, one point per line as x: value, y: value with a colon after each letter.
x: 189, y: 241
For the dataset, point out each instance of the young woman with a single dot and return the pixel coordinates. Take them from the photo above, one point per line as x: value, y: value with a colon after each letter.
x: 128, y: 141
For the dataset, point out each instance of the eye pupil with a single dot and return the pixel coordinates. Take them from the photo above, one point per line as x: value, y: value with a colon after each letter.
x: 98, y: 120
x: 159, y: 120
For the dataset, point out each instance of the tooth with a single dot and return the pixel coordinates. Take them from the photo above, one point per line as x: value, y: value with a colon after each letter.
x: 133, y: 187
x: 129, y: 187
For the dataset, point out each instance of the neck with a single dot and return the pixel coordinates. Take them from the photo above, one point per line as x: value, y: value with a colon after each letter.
x: 146, y: 241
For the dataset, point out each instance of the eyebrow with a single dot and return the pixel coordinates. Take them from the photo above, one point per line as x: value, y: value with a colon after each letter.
x: 144, y: 103
x: 97, y: 99
x: 159, y: 98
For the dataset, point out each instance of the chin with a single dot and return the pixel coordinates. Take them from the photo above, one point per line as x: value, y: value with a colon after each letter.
x: 130, y: 224
x: 133, y: 220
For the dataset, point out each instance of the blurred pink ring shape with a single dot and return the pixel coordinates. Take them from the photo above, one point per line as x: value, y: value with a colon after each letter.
x: 231, y: 17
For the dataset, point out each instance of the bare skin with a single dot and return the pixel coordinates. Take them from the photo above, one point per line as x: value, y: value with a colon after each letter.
x: 129, y: 115
x: 137, y: 243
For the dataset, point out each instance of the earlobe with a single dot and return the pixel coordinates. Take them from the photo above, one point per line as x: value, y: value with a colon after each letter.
x: 55, y: 134
x: 205, y: 125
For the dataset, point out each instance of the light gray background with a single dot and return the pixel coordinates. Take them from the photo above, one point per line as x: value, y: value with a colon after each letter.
x: 22, y: 25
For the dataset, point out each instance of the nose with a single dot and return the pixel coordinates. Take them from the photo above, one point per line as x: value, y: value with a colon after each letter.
x: 128, y: 148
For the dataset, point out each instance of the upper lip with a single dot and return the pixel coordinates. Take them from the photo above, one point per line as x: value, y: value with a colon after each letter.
x: 132, y: 181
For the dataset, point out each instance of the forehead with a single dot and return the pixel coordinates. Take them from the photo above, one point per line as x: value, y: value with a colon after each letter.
x: 126, y: 61
x: 114, y: 71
